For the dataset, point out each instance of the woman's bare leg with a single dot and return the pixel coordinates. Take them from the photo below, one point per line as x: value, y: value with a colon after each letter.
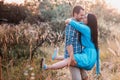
x: 59, y: 58
x: 58, y: 65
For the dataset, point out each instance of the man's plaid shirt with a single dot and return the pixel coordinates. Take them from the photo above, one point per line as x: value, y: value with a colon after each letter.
x: 72, y: 38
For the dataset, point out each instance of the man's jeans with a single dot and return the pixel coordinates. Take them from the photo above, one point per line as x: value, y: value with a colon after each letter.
x: 75, y: 73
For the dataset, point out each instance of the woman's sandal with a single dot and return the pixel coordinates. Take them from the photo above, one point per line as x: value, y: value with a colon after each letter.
x: 55, y: 53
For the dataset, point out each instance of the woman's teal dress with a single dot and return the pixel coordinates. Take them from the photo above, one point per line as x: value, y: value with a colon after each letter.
x: 88, y: 57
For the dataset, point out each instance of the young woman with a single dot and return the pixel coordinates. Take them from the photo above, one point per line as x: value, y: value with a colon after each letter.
x: 55, y: 56
x: 89, y: 39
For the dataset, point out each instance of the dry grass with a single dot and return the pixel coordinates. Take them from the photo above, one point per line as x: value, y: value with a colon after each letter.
x: 18, y: 42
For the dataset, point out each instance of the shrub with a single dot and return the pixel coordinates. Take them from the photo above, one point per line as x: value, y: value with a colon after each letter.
x: 54, y: 12
x: 12, y: 13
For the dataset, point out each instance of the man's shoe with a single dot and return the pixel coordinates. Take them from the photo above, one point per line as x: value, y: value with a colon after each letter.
x: 42, y: 64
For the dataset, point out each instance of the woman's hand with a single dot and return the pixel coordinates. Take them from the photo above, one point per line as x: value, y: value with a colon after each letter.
x: 67, y: 21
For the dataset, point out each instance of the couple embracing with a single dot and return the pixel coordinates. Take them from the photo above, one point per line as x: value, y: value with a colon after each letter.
x: 81, y: 45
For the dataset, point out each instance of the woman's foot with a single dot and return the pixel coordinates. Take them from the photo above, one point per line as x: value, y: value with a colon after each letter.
x: 42, y: 64
x: 55, y: 53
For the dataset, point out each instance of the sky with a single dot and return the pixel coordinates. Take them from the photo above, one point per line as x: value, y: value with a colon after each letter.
x: 14, y: 1
x: 114, y: 3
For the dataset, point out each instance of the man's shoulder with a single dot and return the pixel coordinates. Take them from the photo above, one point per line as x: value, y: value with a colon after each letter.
x: 69, y: 27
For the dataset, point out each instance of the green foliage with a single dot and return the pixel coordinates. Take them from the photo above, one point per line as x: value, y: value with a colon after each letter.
x: 54, y: 12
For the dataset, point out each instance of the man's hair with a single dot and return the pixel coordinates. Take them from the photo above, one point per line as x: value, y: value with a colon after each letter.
x: 77, y: 9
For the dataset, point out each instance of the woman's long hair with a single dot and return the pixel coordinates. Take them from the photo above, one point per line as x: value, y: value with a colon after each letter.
x: 92, y: 23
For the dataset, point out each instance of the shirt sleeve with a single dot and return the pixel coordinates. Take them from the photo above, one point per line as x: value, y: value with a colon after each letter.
x: 70, y: 32
x: 79, y: 26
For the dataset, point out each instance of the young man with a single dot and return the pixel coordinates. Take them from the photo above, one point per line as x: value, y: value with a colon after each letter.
x: 72, y: 46
x: 73, y: 43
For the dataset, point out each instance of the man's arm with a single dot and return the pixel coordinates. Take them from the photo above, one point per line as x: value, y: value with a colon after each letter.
x: 71, y: 58
x: 70, y: 32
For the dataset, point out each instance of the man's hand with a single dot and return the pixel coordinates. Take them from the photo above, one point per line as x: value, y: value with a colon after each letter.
x: 71, y: 62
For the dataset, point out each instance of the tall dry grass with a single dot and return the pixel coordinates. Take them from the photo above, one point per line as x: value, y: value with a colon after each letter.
x: 21, y: 43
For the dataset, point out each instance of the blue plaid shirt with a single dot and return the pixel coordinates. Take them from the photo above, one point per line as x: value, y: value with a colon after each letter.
x: 72, y: 38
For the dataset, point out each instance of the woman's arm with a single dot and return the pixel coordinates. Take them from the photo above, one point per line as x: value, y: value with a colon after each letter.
x: 78, y: 26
